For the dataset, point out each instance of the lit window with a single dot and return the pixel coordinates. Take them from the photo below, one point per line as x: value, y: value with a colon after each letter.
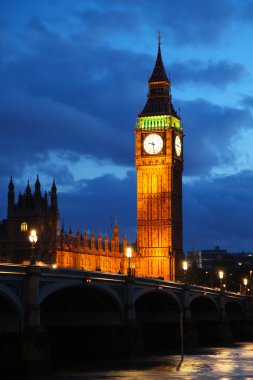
x: 23, y: 226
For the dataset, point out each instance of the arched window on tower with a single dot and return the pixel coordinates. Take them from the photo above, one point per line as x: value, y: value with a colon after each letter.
x: 23, y: 227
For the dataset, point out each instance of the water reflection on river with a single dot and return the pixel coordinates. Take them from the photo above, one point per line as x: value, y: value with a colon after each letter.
x: 217, y: 363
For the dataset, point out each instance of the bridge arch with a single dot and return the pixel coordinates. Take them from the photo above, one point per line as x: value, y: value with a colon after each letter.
x: 234, y: 310
x: 82, y: 319
x: 11, y: 311
x: 164, y: 291
x: 235, y: 314
x: 52, y: 288
x: 158, y: 312
x: 204, y: 307
x: 205, y: 316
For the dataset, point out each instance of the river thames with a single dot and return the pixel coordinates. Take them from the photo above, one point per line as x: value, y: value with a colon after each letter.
x: 213, y: 363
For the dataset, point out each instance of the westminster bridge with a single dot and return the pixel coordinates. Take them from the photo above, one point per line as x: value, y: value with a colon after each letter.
x: 82, y: 312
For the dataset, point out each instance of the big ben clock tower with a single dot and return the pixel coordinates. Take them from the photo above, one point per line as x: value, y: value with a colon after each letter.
x: 159, y: 164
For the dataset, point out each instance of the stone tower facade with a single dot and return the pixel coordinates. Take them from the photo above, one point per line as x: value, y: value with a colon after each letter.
x: 31, y: 211
x: 159, y: 165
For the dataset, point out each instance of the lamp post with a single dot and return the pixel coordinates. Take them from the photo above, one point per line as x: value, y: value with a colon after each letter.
x: 245, y: 283
x: 33, y: 239
x: 129, y: 256
x: 185, y: 268
x: 221, y: 276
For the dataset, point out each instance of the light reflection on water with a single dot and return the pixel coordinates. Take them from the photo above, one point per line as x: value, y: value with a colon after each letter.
x: 216, y: 364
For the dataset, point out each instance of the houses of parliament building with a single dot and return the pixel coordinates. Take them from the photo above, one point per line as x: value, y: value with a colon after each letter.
x: 159, y: 166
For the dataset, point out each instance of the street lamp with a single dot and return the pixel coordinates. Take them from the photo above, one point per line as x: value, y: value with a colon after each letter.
x: 221, y: 275
x: 185, y: 267
x: 245, y: 283
x: 33, y: 239
x: 129, y: 256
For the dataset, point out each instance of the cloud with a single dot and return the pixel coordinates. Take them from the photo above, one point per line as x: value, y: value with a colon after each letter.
x: 247, y: 12
x: 82, y: 100
x: 219, y: 212
x: 247, y: 101
x: 196, y: 23
x: 94, y: 205
x: 199, y: 23
x: 84, y: 97
x: 210, y: 130
x: 215, y: 74
x: 66, y: 97
x: 102, y: 23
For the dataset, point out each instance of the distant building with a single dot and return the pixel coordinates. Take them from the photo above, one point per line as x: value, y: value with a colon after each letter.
x: 205, y: 258
x: 211, y: 258
x: 205, y: 265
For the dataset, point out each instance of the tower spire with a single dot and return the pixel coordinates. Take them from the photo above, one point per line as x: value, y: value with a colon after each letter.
x: 54, y: 202
x: 159, y: 96
x: 11, y: 196
x: 37, y: 185
x: 159, y: 73
x: 28, y: 189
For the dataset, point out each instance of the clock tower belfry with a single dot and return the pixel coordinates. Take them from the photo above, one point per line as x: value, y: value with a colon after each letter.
x: 159, y: 165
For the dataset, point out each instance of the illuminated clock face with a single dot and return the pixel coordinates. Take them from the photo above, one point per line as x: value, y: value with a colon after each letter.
x: 178, y: 146
x: 153, y: 143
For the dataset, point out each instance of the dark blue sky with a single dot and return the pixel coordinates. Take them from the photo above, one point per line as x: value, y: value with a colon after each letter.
x: 73, y: 76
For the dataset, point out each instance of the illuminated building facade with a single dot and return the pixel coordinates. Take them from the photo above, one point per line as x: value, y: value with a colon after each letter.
x: 88, y: 253
x: 159, y: 164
